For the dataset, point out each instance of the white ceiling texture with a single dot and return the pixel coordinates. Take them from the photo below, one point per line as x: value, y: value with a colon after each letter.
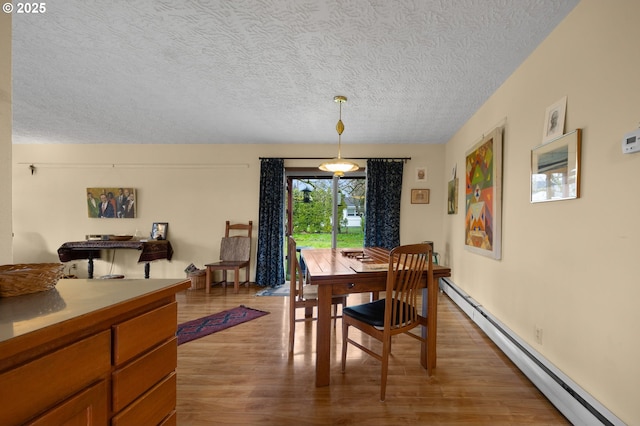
x: 250, y: 71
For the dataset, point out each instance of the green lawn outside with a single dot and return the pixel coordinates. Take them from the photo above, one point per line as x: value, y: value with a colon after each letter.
x: 354, y: 238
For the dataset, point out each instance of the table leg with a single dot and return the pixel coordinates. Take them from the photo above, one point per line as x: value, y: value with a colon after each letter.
x: 207, y: 278
x: 147, y: 267
x: 323, y: 336
x: 90, y: 267
x: 432, y: 325
x: 430, y: 311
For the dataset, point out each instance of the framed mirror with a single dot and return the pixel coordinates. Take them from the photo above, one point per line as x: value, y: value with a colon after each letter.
x: 555, y: 169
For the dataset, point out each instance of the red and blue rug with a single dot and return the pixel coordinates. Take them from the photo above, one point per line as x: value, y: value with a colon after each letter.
x: 204, y: 326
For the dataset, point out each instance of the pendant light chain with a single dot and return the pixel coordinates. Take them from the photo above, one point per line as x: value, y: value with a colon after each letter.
x: 340, y: 127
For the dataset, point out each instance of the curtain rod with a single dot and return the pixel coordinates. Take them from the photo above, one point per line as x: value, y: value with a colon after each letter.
x: 35, y: 165
x: 347, y: 158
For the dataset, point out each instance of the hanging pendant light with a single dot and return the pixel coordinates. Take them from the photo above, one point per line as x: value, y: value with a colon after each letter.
x: 339, y: 165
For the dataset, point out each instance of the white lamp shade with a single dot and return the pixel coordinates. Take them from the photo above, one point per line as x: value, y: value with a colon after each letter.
x: 339, y: 166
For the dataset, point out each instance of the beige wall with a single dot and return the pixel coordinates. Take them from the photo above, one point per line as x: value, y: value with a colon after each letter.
x: 5, y: 139
x: 569, y: 267
x: 218, y: 183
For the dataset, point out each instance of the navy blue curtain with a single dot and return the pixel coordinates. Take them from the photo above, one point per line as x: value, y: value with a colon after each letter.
x: 382, y: 214
x: 269, y: 267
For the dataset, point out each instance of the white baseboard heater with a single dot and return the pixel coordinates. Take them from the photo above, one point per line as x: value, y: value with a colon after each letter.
x: 571, y: 400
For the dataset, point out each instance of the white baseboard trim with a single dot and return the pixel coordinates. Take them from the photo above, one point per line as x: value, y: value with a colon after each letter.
x: 570, y: 399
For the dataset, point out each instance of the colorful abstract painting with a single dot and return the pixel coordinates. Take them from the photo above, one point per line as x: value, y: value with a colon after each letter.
x: 483, y: 175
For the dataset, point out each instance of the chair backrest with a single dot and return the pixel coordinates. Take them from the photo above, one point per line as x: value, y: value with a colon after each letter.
x: 242, y: 229
x: 236, y: 244
x: 407, y: 266
x: 235, y: 249
x: 296, y: 280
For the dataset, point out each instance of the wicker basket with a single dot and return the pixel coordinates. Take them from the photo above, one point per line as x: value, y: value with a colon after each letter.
x: 198, y: 279
x: 25, y: 278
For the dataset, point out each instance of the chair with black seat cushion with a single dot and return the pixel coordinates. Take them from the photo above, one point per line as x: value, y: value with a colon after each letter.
x: 398, y: 312
x: 235, y: 254
x: 303, y: 295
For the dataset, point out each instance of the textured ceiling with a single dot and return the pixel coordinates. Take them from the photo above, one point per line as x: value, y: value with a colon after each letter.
x: 241, y: 71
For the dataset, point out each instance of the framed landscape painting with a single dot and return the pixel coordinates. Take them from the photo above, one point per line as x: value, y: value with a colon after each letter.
x: 483, y: 204
x: 111, y: 203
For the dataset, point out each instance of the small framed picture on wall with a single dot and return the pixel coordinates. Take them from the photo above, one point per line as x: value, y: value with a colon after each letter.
x: 419, y: 196
x: 421, y: 174
x: 554, y: 120
x: 452, y: 196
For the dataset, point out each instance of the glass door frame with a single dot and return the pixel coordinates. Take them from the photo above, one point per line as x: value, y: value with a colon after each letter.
x: 292, y: 173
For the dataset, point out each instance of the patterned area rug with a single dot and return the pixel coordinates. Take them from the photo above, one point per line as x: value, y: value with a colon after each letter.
x: 201, y: 327
x: 282, y: 290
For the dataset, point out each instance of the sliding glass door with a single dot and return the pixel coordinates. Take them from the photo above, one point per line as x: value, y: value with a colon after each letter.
x: 325, y: 211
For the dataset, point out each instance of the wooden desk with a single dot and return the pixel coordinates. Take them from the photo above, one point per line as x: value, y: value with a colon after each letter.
x: 149, y: 251
x: 334, y: 274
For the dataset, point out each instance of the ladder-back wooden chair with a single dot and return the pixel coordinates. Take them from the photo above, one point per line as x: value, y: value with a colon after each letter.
x: 303, y: 295
x: 235, y: 254
x: 398, y: 312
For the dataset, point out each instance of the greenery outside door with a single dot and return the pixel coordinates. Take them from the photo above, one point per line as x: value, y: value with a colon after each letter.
x: 315, y: 198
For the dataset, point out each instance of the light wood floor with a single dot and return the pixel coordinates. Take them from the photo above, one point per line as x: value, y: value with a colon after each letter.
x: 244, y: 376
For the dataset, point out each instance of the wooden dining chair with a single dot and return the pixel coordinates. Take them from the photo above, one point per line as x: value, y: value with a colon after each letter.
x: 303, y: 295
x: 235, y: 254
x: 398, y: 312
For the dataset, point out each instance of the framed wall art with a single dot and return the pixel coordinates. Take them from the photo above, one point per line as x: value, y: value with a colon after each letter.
x: 555, y: 169
x: 159, y: 230
x: 111, y: 203
x: 419, y: 196
x: 452, y: 196
x: 554, y: 120
x: 483, y: 196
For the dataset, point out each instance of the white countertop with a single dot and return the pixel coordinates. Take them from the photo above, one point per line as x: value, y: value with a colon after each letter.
x: 69, y: 299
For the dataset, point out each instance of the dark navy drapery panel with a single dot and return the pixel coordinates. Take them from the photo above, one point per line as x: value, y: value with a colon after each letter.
x: 269, y: 267
x: 384, y: 187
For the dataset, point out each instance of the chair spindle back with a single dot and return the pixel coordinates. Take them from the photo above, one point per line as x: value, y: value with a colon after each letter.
x: 407, y: 266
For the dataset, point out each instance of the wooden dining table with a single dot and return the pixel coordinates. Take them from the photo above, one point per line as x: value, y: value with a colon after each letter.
x: 362, y: 270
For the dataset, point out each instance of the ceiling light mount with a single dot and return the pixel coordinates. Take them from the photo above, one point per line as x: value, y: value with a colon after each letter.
x: 338, y: 165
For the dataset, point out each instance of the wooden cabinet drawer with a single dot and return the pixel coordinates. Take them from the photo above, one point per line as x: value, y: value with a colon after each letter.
x: 359, y: 287
x: 41, y: 384
x: 152, y: 408
x: 172, y: 420
x: 89, y: 407
x: 141, y: 333
x: 140, y: 375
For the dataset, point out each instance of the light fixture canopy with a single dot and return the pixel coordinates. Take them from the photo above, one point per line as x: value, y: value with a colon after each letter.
x: 339, y: 166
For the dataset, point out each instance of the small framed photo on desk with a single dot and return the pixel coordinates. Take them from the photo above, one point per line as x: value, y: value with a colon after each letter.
x: 159, y: 230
